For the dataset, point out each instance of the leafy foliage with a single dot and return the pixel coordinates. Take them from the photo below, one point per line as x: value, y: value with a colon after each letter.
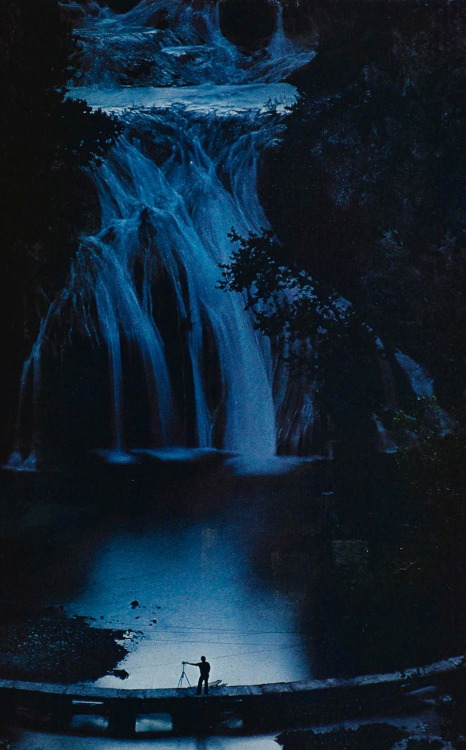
x: 363, y: 194
x: 365, y: 188
x: 316, y: 331
x: 431, y: 458
x: 289, y: 305
x: 416, y: 578
x: 287, y: 302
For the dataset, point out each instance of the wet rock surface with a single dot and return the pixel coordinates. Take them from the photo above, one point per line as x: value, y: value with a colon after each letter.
x: 248, y: 23
x: 412, y: 734
x: 58, y: 649
x: 382, y: 736
x: 120, y: 6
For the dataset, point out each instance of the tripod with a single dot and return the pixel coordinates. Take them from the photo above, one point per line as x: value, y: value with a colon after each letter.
x: 184, y: 676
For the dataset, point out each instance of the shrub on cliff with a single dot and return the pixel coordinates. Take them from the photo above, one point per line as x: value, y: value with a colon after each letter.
x: 365, y: 188
x: 316, y: 331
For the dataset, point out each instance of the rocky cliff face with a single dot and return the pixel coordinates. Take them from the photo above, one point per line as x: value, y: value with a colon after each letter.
x: 365, y: 187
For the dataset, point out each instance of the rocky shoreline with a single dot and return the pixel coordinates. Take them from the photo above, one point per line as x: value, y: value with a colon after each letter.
x: 59, y: 649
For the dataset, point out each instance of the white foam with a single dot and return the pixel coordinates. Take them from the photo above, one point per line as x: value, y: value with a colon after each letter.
x: 223, y: 100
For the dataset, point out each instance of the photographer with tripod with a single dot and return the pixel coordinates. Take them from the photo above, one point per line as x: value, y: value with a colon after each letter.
x: 204, y: 668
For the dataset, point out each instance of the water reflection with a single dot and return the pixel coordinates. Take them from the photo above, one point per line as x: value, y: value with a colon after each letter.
x: 28, y: 740
x: 187, y: 587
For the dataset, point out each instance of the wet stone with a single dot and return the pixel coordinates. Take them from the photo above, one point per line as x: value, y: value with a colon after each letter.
x: 58, y: 650
x: 277, y: 687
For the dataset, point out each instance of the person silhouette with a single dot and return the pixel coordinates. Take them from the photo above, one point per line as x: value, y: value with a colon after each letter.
x: 204, y: 668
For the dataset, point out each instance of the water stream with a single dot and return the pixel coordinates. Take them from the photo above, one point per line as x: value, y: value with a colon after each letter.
x: 185, y: 363
x: 215, y: 565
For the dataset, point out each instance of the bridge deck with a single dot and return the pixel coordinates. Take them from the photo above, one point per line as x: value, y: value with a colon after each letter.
x: 246, y: 707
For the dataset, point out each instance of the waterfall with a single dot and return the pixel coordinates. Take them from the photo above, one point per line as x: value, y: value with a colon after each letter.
x: 143, y: 290
x: 418, y: 377
x: 422, y: 385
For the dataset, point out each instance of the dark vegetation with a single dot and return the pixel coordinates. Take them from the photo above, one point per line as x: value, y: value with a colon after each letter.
x: 366, y: 200
x: 46, y: 141
x: 368, y: 737
x: 365, y: 190
x: 320, y: 335
x: 380, y: 736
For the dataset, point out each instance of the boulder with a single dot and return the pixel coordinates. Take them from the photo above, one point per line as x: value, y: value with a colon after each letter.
x: 120, y: 6
x: 159, y: 19
x: 249, y: 24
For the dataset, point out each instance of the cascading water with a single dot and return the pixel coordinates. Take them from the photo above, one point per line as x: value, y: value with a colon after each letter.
x: 197, y: 113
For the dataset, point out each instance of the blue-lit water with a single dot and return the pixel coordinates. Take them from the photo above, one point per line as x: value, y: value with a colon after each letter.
x: 28, y: 740
x: 204, y: 583
x: 143, y: 290
x: 183, y: 362
x: 198, y: 566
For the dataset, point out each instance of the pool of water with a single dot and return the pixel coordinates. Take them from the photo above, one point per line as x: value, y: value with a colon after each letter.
x: 193, y: 560
x: 267, y: 575
x: 28, y: 740
x: 194, y: 583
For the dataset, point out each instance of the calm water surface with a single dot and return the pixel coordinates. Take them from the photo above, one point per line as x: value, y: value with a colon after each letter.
x: 197, y: 578
x: 28, y: 740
